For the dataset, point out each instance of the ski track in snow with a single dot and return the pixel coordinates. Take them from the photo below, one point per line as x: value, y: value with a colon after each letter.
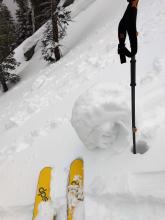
x: 27, y: 140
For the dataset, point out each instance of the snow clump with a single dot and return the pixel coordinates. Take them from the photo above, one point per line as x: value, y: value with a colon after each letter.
x: 101, y: 117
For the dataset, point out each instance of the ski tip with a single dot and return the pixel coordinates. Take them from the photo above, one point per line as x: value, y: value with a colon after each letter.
x: 78, y: 158
x: 46, y: 168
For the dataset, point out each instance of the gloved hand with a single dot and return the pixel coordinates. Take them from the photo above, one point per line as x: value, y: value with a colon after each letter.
x: 121, y: 49
x: 121, y: 52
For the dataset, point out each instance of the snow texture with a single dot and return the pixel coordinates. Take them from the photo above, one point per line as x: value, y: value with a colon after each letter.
x: 101, y: 117
x: 45, y: 211
x: 75, y: 192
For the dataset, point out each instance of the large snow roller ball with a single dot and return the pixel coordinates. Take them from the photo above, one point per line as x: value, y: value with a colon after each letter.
x: 101, y: 117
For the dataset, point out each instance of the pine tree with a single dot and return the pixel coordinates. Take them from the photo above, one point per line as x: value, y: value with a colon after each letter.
x: 24, y: 21
x: 7, y: 44
x: 54, y: 18
x: 55, y: 31
x: 9, y: 64
x: 48, y: 43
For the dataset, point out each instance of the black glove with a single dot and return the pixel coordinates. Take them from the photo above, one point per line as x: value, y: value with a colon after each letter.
x: 121, y: 52
x: 121, y: 48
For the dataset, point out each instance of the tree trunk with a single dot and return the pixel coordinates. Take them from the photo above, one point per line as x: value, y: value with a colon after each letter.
x: 54, y: 15
x: 33, y: 18
x: 3, y: 82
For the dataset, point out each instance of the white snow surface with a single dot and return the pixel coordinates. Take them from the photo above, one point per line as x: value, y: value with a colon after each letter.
x: 35, y: 119
x: 45, y: 211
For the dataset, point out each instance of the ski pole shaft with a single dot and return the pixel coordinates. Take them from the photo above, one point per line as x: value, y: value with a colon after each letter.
x: 133, y: 84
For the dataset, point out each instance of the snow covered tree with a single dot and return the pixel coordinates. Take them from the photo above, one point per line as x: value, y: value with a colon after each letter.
x: 54, y: 18
x: 55, y: 30
x: 7, y: 44
x: 24, y: 21
x: 9, y: 64
x: 48, y: 43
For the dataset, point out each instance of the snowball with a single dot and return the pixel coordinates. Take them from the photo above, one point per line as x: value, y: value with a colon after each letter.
x: 101, y: 117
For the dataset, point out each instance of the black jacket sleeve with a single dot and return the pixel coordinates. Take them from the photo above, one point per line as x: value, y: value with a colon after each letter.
x: 132, y: 31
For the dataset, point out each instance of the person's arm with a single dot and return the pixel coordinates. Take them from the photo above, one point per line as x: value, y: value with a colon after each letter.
x: 133, y: 31
x: 132, y: 20
x: 134, y: 3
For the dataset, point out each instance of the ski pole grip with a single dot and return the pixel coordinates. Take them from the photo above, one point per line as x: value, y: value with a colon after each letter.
x: 121, y: 52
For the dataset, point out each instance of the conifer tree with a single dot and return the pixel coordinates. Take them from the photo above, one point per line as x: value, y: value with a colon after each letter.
x: 7, y: 44
x: 24, y: 21
x: 55, y: 31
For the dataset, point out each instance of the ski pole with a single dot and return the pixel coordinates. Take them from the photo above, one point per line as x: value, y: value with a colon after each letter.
x: 133, y: 84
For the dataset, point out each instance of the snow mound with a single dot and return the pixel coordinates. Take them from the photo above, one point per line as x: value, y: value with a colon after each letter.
x: 101, y: 117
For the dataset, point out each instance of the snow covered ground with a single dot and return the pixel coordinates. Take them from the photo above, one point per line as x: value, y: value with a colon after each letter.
x: 35, y: 119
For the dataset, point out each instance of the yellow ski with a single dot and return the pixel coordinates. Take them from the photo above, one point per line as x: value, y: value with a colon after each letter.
x: 43, y: 189
x: 75, y: 187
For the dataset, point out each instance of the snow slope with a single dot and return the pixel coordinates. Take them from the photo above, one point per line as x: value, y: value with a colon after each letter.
x: 36, y: 131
